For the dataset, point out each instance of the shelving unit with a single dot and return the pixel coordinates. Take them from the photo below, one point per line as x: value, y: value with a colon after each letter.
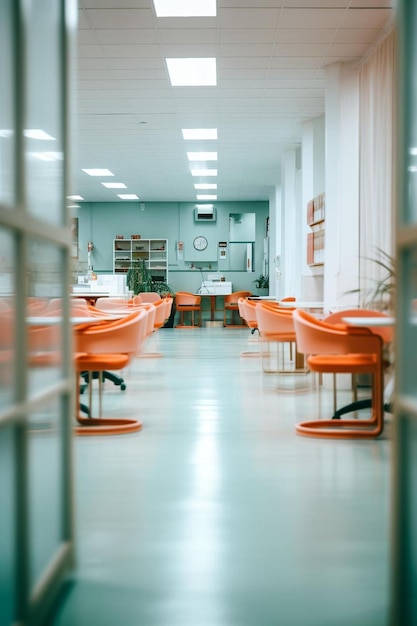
x: 315, y: 239
x: 127, y: 252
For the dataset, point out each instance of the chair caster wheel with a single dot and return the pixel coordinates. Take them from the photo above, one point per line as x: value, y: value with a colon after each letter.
x: 122, y: 386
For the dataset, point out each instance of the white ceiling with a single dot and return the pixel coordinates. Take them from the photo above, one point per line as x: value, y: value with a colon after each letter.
x: 271, y: 59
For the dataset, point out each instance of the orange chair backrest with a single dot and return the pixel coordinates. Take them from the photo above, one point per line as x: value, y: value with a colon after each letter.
x: 149, y: 296
x: 274, y: 320
x: 185, y: 297
x: 249, y: 310
x: 234, y: 297
x: 124, y: 336
x: 386, y: 332
x: 108, y: 304
x: 317, y: 337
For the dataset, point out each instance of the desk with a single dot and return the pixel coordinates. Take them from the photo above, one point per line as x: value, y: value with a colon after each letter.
x: 212, y: 297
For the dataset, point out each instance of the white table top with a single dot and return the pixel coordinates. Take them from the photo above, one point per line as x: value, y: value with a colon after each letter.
x: 53, y: 320
x: 271, y: 298
x: 301, y: 304
x: 369, y: 321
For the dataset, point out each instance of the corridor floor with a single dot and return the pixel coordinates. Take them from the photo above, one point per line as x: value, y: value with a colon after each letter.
x: 216, y: 513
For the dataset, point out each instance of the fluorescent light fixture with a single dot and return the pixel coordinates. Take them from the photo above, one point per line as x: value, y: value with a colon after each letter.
x: 203, y: 206
x: 412, y: 151
x: 6, y: 133
x: 199, y: 133
x: 98, y: 172
x: 46, y: 156
x: 185, y: 8
x: 204, y: 172
x: 128, y: 196
x: 37, y: 133
x: 76, y: 197
x: 192, y: 72
x: 205, y: 186
x: 206, y: 196
x: 202, y: 156
x: 114, y: 185
x: 73, y: 206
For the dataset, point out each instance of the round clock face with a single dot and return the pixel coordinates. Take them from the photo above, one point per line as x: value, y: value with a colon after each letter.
x: 200, y: 243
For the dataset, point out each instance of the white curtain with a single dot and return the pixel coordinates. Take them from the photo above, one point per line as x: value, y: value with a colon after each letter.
x: 377, y: 131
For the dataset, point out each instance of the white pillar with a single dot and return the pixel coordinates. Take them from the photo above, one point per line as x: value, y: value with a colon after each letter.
x: 342, y: 186
x: 290, y: 233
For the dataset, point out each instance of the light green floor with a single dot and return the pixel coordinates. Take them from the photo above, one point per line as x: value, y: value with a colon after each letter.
x: 217, y: 514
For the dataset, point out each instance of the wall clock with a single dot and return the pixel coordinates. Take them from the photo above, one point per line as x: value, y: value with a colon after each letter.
x: 200, y: 243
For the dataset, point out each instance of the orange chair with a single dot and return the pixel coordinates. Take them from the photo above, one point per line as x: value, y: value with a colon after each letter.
x: 110, y: 304
x: 387, y: 335
x: 149, y: 296
x: 275, y: 325
x: 231, y: 304
x: 247, y: 311
x: 186, y: 302
x: 342, y: 350
x: 109, y: 346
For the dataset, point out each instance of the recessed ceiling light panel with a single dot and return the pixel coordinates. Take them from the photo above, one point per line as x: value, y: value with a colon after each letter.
x: 205, y: 186
x: 206, y: 196
x: 199, y: 133
x: 185, y: 8
x: 199, y: 72
x: 37, y: 133
x: 128, y: 196
x: 114, y: 185
x: 98, y: 172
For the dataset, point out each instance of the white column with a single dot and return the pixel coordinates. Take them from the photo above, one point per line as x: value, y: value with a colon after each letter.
x: 342, y: 186
x: 291, y: 231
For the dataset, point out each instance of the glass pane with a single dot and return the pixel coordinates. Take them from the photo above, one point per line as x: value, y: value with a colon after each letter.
x: 407, y: 327
x: 44, y: 319
x: 7, y: 316
x: 45, y: 480
x: 6, y: 104
x: 43, y: 132
x: 7, y: 525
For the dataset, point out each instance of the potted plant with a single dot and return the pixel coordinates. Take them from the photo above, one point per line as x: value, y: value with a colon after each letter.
x: 139, y: 279
x: 262, y: 284
x: 381, y: 292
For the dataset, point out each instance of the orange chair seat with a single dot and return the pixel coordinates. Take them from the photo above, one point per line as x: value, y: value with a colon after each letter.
x: 101, y: 362
x: 282, y: 337
x: 343, y: 363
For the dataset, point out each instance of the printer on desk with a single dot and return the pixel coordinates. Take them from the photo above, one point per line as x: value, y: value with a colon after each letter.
x: 215, y: 285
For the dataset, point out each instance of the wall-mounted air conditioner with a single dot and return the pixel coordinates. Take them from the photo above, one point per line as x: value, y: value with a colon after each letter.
x: 204, y: 213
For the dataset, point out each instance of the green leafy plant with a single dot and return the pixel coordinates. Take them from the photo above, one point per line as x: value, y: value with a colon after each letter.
x: 139, y: 279
x: 381, y: 292
x: 262, y: 282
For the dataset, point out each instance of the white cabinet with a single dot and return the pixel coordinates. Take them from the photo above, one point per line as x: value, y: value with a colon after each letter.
x: 127, y: 252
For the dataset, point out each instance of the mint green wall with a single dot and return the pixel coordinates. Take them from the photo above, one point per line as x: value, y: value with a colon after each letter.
x: 100, y: 222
